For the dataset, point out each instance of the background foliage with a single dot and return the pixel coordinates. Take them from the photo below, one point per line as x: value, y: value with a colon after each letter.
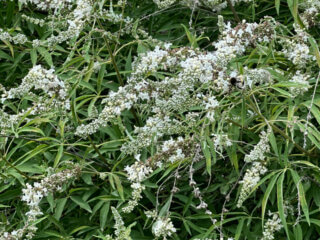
x: 30, y: 150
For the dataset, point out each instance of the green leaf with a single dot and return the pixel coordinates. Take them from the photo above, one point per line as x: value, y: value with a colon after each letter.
x: 101, y: 73
x: 298, y: 235
x: 10, y: 11
x: 51, y: 202
x: 58, y: 156
x: 104, y: 214
x: 207, y: 154
x: 89, y: 72
x: 192, y: 38
x: 266, y: 195
x: 119, y: 186
x: 239, y: 229
x: 79, y: 201
x: 39, y: 149
x: 277, y: 4
x: 79, y: 228
x: 309, y: 164
x: 31, y: 129
x: 164, y: 210
x: 33, y: 55
x: 280, y: 203
x: 273, y: 143
x: 60, y: 204
x: 315, y: 48
x: 46, y: 55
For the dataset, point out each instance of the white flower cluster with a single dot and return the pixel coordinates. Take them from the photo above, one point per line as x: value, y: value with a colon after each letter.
x: 302, y: 80
x: 214, y: 5
x: 154, y: 128
x: 271, y: 226
x: 75, y: 20
x: 167, y: 82
x: 250, y: 180
x: 194, y: 70
x: 33, y: 20
x: 234, y: 41
x: 151, y: 214
x: 220, y: 141
x: 311, y: 9
x: 210, y: 105
x: 137, y: 189
x: 297, y: 48
x: 7, y: 121
x: 171, y: 151
x: 297, y: 52
x: 164, y: 3
x: 38, y: 78
x: 256, y: 76
x: 259, y: 150
x: 67, y: 18
x: 163, y: 227
x: 173, y: 146
x: 47, y: 5
x: 121, y: 232
x: 253, y: 174
x: 16, y: 39
x: 32, y: 195
x: 137, y: 172
x: 116, y: 17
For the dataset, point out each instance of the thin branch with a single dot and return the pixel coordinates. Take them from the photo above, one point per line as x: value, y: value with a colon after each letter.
x: 234, y: 11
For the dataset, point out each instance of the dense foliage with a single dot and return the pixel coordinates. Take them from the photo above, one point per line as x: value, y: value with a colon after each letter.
x: 159, y: 119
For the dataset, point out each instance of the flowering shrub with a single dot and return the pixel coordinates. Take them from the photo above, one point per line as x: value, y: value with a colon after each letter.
x: 159, y: 119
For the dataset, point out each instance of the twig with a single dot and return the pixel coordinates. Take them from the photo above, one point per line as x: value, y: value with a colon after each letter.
x: 234, y: 11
